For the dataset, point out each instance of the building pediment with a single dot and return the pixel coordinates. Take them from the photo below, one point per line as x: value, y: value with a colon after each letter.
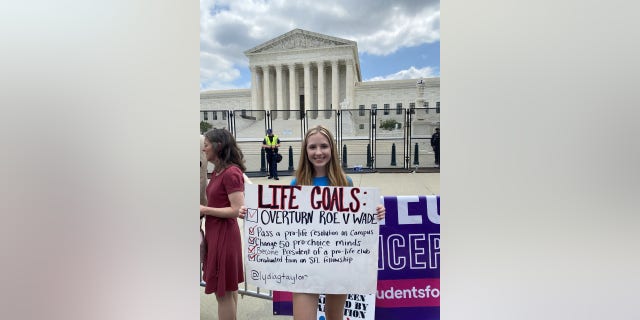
x: 298, y: 39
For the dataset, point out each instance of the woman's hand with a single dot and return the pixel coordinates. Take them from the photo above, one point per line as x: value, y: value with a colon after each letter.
x: 242, y: 212
x: 203, y: 210
x: 380, y: 210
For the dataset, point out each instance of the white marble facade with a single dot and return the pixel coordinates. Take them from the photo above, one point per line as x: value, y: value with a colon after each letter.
x: 303, y: 69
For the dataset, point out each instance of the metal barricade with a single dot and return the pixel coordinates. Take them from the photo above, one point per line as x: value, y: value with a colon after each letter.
x: 374, y: 137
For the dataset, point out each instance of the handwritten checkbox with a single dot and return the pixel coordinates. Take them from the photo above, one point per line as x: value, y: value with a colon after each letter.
x: 252, y: 248
x: 252, y: 240
x: 252, y: 256
x: 252, y: 230
x: 252, y: 215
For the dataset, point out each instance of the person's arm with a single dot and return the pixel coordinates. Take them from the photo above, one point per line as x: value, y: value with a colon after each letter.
x: 243, y: 210
x: 236, y: 199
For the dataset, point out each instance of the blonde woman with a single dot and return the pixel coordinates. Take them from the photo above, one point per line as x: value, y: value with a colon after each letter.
x: 319, y: 166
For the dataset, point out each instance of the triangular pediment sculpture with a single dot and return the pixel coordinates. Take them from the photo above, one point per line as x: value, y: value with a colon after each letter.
x: 299, y: 39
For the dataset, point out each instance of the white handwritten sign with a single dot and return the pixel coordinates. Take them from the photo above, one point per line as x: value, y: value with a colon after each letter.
x: 311, y: 239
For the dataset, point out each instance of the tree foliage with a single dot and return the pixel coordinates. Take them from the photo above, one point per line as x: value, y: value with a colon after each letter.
x: 204, y: 127
x: 389, y: 124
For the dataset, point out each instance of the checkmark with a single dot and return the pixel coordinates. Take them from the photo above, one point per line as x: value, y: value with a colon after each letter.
x: 252, y: 215
x: 252, y: 256
x: 251, y: 230
x: 253, y: 248
x: 252, y: 240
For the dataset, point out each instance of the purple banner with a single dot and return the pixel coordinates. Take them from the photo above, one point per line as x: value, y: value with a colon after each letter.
x: 409, y: 259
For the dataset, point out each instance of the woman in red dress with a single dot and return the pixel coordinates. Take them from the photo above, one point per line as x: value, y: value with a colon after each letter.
x: 222, y: 264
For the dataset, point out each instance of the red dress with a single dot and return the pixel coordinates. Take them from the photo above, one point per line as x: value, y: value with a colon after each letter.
x: 222, y: 264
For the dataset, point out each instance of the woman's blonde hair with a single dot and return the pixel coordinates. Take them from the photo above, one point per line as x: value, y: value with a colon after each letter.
x: 306, y: 172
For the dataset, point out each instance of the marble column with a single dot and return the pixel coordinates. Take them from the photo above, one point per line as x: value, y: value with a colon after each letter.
x: 349, y: 83
x: 307, y: 85
x: 335, y: 93
x: 279, y: 104
x: 293, y: 92
x: 321, y: 93
x: 259, y: 88
x: 254, y: 88
x: 267, y: 88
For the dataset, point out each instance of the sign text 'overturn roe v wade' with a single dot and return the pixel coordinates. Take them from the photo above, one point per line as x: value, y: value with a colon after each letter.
x: 311, y: 238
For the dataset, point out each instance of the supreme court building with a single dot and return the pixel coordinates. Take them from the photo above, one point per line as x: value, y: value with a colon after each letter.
x: 303, y: 78
x: 304, y: 70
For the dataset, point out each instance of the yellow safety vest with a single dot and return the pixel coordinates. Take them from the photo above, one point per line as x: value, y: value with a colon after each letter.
x: 273, y: 142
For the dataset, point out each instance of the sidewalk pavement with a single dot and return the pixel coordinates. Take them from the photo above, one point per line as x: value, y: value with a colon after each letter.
x: 389, y: 184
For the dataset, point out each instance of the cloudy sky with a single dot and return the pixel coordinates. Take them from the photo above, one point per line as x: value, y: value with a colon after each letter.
x: 396, y: 39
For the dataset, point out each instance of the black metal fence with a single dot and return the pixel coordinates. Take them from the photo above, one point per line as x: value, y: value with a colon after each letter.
x: 369, y: 140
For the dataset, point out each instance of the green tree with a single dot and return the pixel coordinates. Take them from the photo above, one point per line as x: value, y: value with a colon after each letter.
x: 389, y: 124
x: 204, y: 127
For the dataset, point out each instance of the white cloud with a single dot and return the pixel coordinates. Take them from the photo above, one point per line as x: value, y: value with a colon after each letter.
x: 380, y: 27
x: 216, y: 72
x: 411, y: 73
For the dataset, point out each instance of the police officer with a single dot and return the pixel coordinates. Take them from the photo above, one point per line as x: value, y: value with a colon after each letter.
x: 435, y: 144
x: 271, y: 143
